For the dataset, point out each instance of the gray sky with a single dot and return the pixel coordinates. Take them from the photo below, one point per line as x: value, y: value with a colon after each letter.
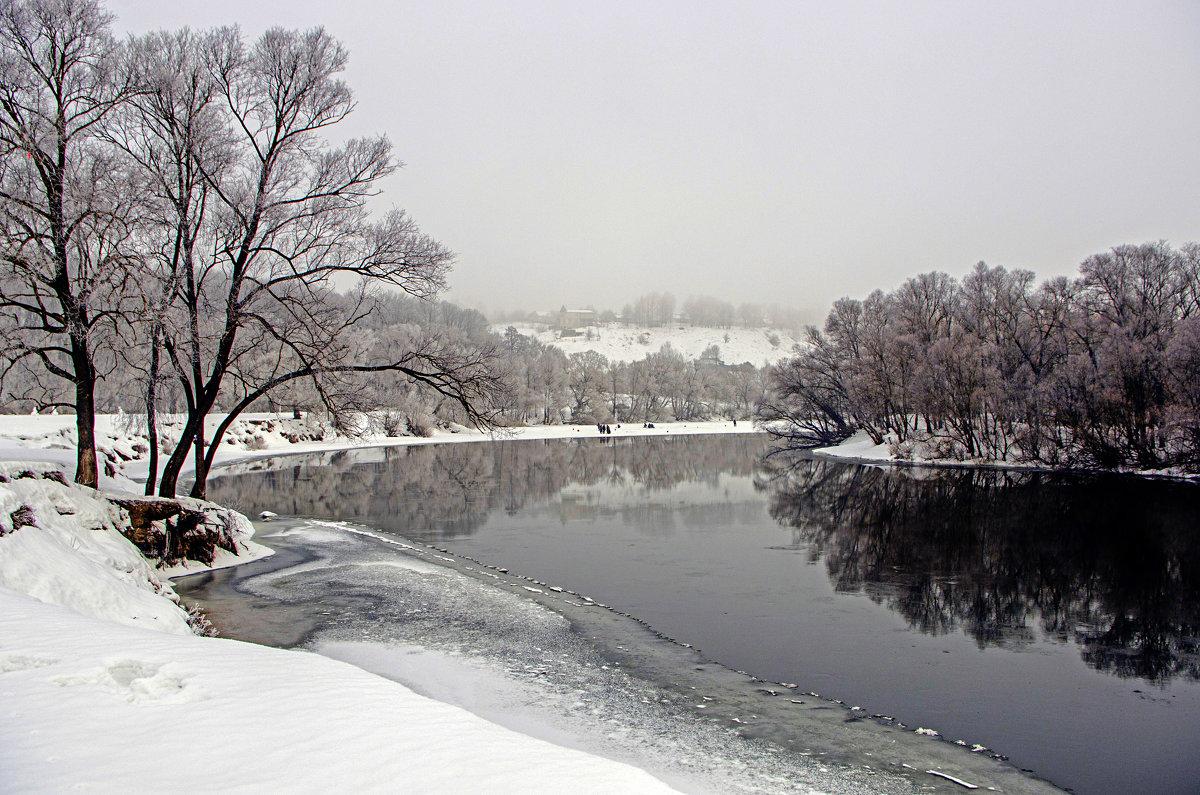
x: 788, y: 152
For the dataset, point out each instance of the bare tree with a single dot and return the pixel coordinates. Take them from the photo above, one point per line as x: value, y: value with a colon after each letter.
x: 807, y: 401
x: 652, y: 309
x: 925, y: 306
x: 1099, y: 371
x: 282, y: 219
x: 64, y: 214
x: 174, y: 136
x: 706, y: 311
x: 616, y: 386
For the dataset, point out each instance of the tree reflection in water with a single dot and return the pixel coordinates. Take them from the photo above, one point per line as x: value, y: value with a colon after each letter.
x: 447, y: 490
x: 1110, y: 562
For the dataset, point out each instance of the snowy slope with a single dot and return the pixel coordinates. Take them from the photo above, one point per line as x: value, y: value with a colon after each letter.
x: 103, y: 686
x: 620, y: 343
x: 90, y: 704
x: 60, y: 543
x: 72, y: 554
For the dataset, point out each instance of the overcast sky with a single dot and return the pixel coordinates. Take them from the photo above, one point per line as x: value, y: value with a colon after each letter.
x: 789, y: 152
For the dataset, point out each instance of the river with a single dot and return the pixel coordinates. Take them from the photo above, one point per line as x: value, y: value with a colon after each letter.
x: 1047, y: 618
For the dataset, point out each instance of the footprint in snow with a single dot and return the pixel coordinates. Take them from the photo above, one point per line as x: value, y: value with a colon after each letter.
x: 22, y: 662
x: 137, y: 682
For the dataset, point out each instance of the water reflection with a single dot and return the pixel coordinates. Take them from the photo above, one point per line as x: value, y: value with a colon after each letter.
x: 449, y: 490
x: 1109, y: 562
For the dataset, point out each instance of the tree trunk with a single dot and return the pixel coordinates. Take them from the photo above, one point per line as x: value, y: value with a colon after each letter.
x: 151, y: 414
x: 170, y: 473
x: 187, y: 442
x: 198, y: 487
x: 86, y: 471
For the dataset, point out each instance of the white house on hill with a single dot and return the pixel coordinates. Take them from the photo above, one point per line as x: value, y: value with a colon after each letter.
x: 576, y: 318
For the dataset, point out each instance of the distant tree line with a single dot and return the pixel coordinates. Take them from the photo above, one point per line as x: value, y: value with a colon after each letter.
x: 1098, y: 371
x: 548, y: 386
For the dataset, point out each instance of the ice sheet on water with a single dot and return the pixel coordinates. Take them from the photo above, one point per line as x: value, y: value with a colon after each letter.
x: 492, y: 649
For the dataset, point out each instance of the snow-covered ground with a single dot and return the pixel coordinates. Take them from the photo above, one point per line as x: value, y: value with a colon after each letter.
x: 105, y: 687
x: 620, y: 343
x: 60, y: 543
x: 859, y: 447
x: 91, y: 704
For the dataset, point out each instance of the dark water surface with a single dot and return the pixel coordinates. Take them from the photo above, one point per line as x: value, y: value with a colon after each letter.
x: 1052, y: 618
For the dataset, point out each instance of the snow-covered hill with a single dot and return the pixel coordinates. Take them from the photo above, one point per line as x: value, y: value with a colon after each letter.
x: 619, y: 343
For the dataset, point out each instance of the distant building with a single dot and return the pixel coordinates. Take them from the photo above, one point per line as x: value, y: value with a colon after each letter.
x: 576, y: 318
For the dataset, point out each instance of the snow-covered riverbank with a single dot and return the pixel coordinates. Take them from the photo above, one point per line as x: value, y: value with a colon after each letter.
x: 921, y: 452
x: 91, y: 704
x: 105, y: 687
x: 51, y: 438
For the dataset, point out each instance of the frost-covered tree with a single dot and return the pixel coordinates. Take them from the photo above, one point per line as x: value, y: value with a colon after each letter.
x: 1098, y: 371
x: 259, y: 220
x: 586, y: 376
x: 66, y: 210
x: 173, y: 136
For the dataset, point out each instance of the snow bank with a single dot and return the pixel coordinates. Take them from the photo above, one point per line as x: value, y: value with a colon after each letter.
x: 19, y: 443
x: 72, y: 554
x: 921, y: 449
x: 859, y: 447
x: 92, y: 705
x: 104, y: 686
x: 123, y: 451
x: 62, y: 543
x: 924, y: 449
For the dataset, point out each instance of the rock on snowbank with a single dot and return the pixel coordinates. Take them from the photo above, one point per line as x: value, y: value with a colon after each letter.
x: 69, y: 545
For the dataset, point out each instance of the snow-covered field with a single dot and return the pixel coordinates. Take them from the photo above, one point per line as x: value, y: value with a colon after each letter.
x: 620, y: 343
x: 89, y: 703
x: 104, y: 686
